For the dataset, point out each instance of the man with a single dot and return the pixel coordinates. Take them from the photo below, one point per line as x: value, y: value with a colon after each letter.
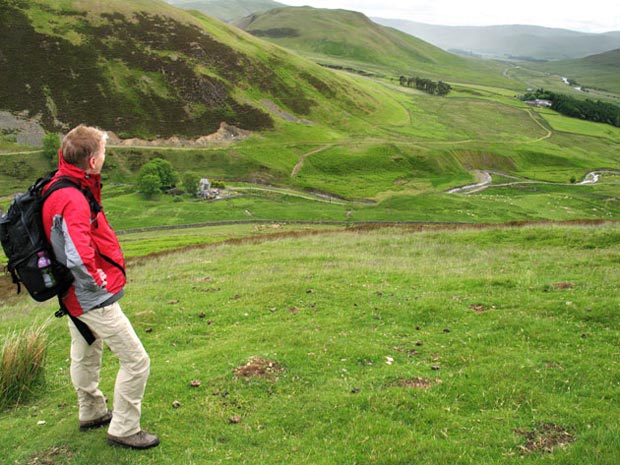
x: 83, y: 240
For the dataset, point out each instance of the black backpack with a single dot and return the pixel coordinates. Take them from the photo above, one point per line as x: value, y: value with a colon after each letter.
x: 31, y: 258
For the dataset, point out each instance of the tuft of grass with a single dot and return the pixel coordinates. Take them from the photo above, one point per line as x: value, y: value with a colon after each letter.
x: 22, y: 359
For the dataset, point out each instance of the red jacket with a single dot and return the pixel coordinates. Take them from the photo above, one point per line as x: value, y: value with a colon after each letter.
x: 84, y: 242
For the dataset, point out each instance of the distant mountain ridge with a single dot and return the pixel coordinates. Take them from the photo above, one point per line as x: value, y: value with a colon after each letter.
x: 510, y: 41
x: 227, y: 10
x: 351, y: 39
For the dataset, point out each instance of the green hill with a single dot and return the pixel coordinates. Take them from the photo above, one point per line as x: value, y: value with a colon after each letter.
x: 340, y: 37
x: 145, y: 68
x: 227, y: 10
x: 388, y: 153
x: 510, y: 41
x: 600, y: 71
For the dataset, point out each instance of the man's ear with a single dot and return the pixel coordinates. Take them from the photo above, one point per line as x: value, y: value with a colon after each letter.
x: 91, y: 162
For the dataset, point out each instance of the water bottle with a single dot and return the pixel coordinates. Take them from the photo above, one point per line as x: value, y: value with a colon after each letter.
x: 45, y: 267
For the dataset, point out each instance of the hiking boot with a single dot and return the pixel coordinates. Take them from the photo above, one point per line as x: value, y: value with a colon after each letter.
x: 140, y: 440
x: 97, y: 422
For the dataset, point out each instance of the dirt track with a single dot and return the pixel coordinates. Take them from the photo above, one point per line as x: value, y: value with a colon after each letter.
x: 485, y: 180
x: 8, y: 289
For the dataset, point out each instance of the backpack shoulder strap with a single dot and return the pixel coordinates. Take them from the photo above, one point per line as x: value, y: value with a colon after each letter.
x: 66, y: 181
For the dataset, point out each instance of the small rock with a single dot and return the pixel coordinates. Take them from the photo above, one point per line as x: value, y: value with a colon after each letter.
x: 389, y: 360
x: 446, y: 330
x: 236, y: 419
x: 195, y: 383
x: 435, y: 367
x: 418, y: 343
x: 176, y: 404
x: 355, y: 390
x: 41, y: 422
x: 148, y: 330
x: 173, y: 302
x: 202, y: 315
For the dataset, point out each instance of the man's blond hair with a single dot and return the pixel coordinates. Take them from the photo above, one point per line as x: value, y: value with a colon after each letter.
x: 81, y: 143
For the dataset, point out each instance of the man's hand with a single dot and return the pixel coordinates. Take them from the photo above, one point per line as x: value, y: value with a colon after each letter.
x: 103, y: 277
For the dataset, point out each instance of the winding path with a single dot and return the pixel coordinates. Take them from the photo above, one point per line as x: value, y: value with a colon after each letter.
x: 546, y: 136
x: 300, y: 163
x: 485, y: 179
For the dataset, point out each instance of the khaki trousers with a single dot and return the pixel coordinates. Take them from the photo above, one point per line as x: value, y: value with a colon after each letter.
x: 110, y: 325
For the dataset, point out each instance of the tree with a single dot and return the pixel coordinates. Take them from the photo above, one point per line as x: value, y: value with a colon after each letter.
x: 443, y: 88
x: 51, y: 144
x: 162, y: 170
x: 149, y: 185
x: 191, y: 182
x: 167, y: 175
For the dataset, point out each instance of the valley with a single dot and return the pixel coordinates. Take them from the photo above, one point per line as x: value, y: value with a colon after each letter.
x: 383, y: 276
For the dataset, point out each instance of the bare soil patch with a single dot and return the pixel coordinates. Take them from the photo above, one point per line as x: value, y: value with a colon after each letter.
x: 52, y: 456
x: 257, y: 367
x: 478, y: 308
x: 545, y: 438
x: 563, y: 285
x: 416, y: 383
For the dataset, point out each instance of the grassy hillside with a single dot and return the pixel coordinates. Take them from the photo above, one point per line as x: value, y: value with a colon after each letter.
x: 227, y: 10
x: 340, y: 37
x: 389, y: 165
x: 598, y: 72
x: 510, y: 41
x: 381, y: 151
x: 389, y: 347
x: 144, y: 68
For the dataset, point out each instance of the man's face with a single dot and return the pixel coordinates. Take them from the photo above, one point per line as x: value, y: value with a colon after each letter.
x: 96, y: 161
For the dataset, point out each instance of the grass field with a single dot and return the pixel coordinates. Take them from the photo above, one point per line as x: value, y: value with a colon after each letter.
x: 388, y: 346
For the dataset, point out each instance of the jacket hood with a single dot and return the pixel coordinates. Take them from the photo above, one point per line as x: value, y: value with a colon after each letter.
x: 87, y: 180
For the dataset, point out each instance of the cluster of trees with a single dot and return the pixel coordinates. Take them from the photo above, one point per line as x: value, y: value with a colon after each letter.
x: 600, y: 112
x: 159, y: 176
x: 156, y: 176
x: 426, y: 85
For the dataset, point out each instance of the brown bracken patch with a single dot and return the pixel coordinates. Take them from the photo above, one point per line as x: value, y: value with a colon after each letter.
x: 52, y: 456
x: 258, y: 367
x: 545, y: 438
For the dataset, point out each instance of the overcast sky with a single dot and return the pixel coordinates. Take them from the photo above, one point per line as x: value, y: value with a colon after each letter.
x: 586, y: 16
